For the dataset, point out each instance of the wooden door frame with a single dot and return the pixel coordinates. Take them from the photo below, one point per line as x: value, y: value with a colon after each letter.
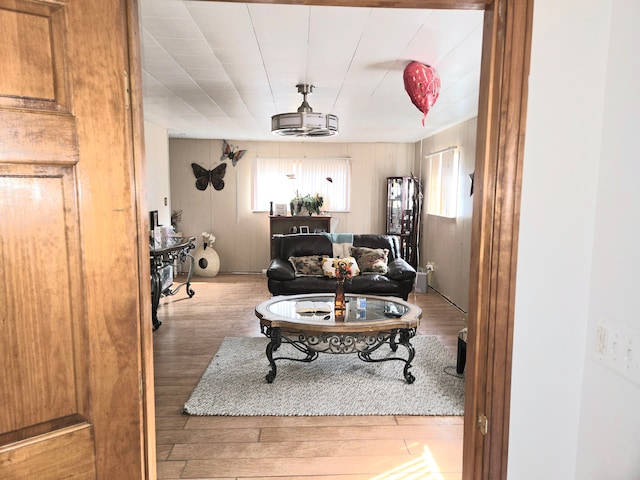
x: 496, y: 215
x: 147, y: 383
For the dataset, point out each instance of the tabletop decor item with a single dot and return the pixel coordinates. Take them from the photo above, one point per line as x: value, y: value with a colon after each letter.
x: 306, y: 204
x: 343, y: 271
x: 207, y: 261
x: 340, y: 306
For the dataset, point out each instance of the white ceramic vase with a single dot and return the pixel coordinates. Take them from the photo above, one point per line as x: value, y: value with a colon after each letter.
x: 207, y: 262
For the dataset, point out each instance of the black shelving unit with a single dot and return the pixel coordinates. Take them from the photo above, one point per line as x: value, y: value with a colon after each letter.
x: 404, y: 200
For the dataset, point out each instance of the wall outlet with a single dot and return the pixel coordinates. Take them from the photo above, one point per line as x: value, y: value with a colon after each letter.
x: 429, y: 267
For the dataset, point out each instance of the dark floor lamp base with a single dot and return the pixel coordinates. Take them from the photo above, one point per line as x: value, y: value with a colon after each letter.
x: 462, y: 351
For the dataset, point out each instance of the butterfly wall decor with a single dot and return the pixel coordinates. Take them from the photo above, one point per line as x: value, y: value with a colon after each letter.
x: 231, y: 152
x: 205, y: 177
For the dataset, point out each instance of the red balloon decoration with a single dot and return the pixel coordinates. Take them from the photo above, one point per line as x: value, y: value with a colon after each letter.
x: 422, y: 83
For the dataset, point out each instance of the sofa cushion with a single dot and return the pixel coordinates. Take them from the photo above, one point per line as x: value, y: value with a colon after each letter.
x: 329, y: 266
x: 392, y: 242
x: 307, y: 265
x: 371, y: 260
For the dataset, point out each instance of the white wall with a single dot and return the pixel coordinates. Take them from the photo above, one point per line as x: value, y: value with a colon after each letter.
x: 578, y: 256
x: 156, y: 144
x: 609, y: 436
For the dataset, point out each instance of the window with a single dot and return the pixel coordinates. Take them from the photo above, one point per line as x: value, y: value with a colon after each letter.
x: 278, y: 179
x: 443, y: 183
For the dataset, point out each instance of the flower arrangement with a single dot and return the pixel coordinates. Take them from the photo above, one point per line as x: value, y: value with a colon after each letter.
x: 311, y: 203
x: 208, y: 239
x: 343, y: 269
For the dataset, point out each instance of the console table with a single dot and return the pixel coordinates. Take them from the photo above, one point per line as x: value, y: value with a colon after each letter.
x: 162, y: 256
x: 284, y: 225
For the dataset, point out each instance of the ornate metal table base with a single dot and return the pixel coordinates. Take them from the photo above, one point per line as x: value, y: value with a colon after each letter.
x: 161, y: 259
x: 183, y: 256
x: 361, y: 343
x: 156, y: 285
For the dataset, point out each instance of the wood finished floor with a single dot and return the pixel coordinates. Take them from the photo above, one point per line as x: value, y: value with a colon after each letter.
x: 284, y: 448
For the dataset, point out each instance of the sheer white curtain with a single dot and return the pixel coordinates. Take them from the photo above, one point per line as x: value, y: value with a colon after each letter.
x: 278, y: 180
x: 443, y: 183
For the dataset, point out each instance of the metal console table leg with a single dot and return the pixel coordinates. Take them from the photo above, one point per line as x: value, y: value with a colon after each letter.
x: 161, y: 257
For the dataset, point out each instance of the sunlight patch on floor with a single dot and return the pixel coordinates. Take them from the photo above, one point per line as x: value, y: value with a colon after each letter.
x: 424, y: 467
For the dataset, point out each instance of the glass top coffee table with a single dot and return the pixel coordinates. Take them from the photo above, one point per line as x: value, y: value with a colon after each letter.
x: 307, y: 322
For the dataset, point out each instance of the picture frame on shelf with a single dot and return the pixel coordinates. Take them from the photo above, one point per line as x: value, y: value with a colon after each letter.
x: 303, y: 229
x: 153, y: 219
x: 280, y: 209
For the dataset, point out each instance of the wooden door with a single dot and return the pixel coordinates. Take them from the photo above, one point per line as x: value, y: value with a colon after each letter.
x: 75, y: 339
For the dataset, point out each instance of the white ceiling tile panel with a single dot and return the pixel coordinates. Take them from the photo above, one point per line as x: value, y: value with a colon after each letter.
x: 182, y: 46
x: 221, y: 16
x: 200, y: 75
x: 464, y: 85
x: 221, y: 40
x: 169, y: 27
x: 451, y: 21
x: 163, y: 8
x: 154, y: 67
x: 236, y: 57
x: 197, y: 61
x: 272, y: 19
x: 150, y: 47
x: 227, y: 67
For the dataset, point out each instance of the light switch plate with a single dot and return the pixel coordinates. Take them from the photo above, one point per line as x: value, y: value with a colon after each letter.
x: 617, y: 346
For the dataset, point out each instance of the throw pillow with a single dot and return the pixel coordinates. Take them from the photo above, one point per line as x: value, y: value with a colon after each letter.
x: 329, y: 266
x: 307, y: 266
x: 371, y: 260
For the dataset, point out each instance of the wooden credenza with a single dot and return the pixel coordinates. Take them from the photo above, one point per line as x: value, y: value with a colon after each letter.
x: 285, y: 225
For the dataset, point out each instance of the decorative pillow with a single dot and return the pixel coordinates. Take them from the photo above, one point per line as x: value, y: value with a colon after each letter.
x: 371, y: 260
x: 307, y: 266
x: 329, y: 266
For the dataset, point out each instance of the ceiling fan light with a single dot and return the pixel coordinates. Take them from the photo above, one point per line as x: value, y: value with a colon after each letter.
x: 304, y: 122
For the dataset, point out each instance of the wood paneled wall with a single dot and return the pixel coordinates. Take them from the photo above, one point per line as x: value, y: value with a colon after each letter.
x: 242, y: 236
x: 446, y: 242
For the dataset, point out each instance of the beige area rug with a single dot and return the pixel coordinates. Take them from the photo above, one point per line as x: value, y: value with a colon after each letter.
x: 234, y: 383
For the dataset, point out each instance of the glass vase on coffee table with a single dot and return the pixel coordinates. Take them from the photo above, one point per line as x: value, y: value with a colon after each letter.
x: 343, y: 271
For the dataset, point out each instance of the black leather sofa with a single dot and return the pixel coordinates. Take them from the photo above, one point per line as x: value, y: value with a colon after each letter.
x: 282, y: 280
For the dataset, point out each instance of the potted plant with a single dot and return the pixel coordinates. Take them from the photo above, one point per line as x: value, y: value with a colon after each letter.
x: 311, y: 204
